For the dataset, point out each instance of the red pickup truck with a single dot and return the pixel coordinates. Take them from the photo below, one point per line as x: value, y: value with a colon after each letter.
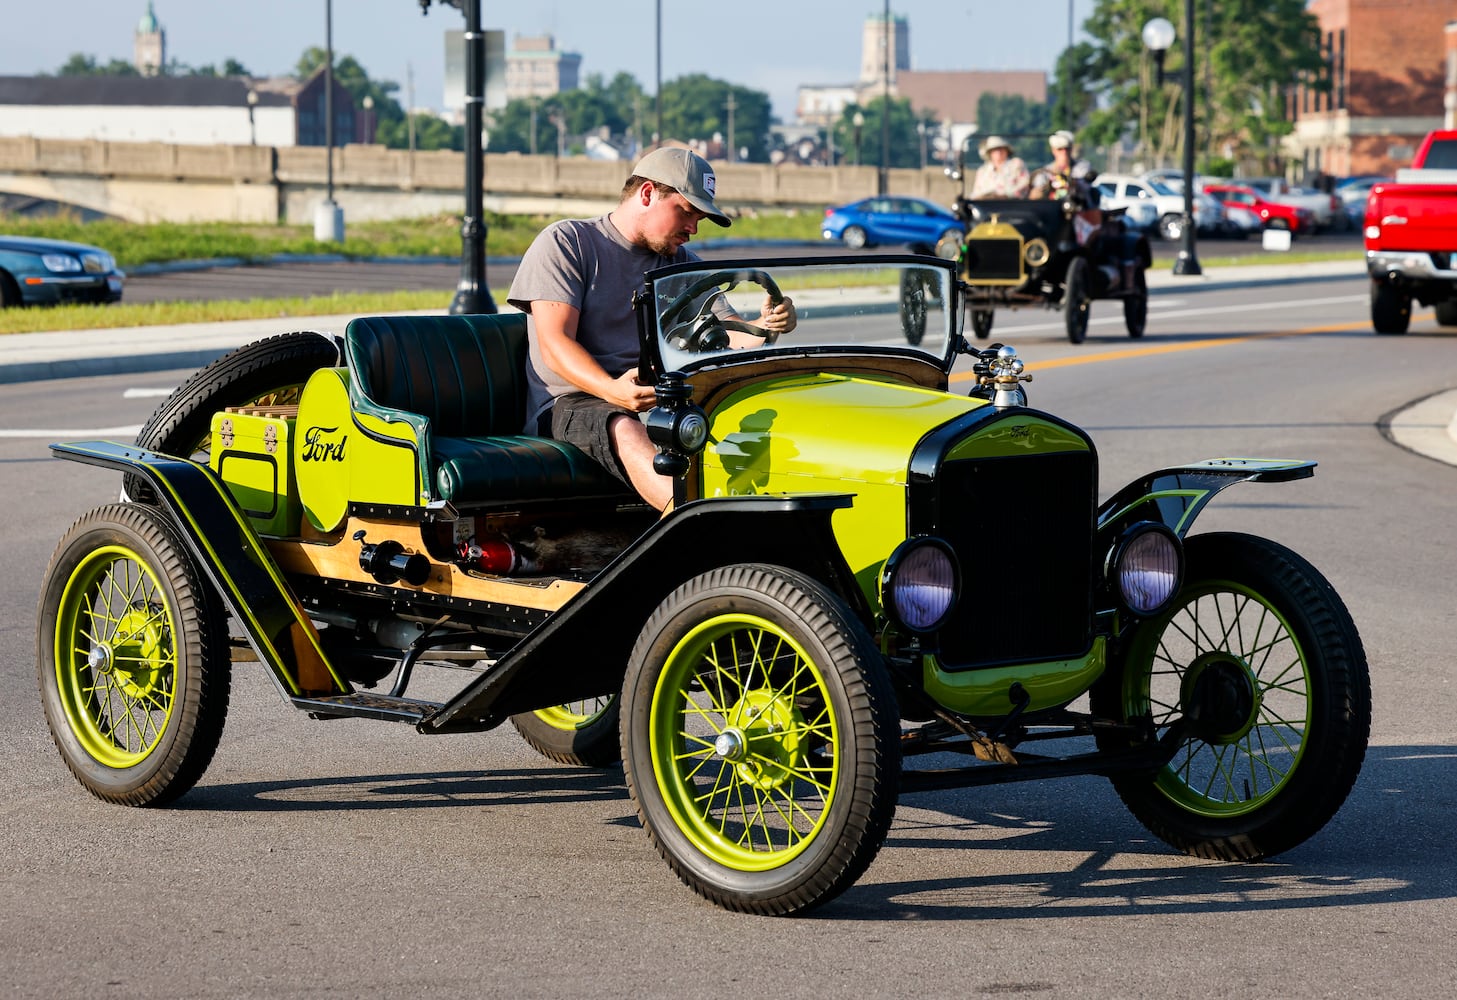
x: 1411, y: 237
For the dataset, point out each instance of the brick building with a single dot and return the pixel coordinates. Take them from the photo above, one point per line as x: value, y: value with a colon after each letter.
x: 1389, y: 63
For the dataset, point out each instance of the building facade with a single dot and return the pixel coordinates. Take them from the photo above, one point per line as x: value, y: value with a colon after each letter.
x: 535, y: 67
x: 1388, y: 64
x: 149, y: 46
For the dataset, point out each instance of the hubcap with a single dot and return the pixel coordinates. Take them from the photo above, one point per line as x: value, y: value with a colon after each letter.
x: 1220, y: 697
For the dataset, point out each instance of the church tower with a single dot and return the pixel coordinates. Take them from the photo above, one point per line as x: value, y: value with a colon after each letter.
x: 149, y: 50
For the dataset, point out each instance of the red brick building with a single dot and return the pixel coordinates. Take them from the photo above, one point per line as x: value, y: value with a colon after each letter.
x: 1389, y: 64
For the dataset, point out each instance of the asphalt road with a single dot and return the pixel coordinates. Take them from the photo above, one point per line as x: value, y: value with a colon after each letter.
x: 355, y: 858
x: 305, y: 279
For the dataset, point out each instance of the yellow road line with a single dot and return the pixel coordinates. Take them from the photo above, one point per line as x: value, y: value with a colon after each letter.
x: 1193, y: 345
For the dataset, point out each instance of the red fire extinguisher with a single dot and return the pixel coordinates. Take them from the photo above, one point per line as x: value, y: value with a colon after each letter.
x: 496, y: 556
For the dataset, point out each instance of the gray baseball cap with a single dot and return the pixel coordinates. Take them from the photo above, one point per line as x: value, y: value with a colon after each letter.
x: 687, y: 173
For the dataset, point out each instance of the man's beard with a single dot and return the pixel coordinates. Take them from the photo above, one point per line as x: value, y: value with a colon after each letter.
x: 662, y: 246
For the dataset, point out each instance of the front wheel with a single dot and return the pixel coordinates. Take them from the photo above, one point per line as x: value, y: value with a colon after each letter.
x: 1390, y: 308
x: 854, y: 237
x: 913, y: 307
x: 981, y: 323
x: 132, y: 657
x: 760, y: 739
x: 1259, y: 674
x: 1135, y: 306
x: 1447, y: 312
x: 1075, y: 299
x: 580, y: 733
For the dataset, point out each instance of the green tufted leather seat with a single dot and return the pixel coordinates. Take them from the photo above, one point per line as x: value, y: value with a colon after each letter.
x: 461, y: 382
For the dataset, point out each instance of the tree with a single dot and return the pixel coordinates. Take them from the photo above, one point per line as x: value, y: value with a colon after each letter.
x: 1012, y: 115
x: 1250, y: 51
x: 83, y: 65
x: 905, y: 140
x: 696, y: 107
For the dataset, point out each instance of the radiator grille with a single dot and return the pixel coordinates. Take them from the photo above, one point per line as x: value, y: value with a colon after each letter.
x: 992, y: 260
x: 1022, y: 528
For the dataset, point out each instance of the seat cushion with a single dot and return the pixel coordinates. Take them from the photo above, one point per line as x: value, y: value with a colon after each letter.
x: 516, y: 467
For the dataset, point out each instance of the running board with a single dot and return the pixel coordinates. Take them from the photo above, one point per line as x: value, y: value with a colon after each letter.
x: 363, y: 705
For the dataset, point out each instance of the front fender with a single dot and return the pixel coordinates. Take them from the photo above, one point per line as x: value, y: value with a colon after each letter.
x: 1174, y: 497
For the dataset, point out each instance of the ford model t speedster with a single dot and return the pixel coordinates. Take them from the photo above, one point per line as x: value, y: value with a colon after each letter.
x: 826, y: 603
x: 1057, y: 252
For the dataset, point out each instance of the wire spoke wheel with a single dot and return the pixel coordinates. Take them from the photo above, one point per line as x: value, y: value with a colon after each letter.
x: 760, y: 739
x: 132, y: 657
x: 1258, y: 673
x: 581, y: 733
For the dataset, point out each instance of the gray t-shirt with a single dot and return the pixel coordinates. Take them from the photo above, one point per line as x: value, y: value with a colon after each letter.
x: 587, y: 264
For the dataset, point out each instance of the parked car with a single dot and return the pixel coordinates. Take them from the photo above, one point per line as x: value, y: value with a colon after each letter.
x: 1274, y: 214
x: 1353, y: 192
x: 863, y: 569
x: 1124, y: 190
x: 42, y: 272
x: 1326, y: 210
x: 890, y: 221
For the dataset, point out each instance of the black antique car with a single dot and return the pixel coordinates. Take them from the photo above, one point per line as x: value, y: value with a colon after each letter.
x: 1059, y: 253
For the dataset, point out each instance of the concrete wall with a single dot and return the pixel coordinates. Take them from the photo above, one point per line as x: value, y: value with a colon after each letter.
x: 151, y: 182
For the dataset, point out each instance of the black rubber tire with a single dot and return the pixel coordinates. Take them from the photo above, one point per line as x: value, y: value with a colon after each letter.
x: 913, y: 307
x: 1075, y: 300
x: 1135, y: 306
x: 591, y: 740
x: 1447, y: 312
x: 854, y: 237
x: 981, y: 323
x: 1390, y: 308
x: 177, y: 627
x: 699, y: 649
x: 266, y: 371
x: 9, y: 291
x: 1252, y: 608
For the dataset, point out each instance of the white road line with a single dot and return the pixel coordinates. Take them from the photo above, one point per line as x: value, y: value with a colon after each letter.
x: 1178, y: 313
x: 76, y: 435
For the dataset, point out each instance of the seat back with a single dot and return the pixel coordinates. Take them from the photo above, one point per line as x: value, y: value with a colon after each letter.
x: 465, y: 374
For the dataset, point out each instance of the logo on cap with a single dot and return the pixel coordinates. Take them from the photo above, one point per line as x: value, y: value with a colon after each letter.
x: 708, y: 182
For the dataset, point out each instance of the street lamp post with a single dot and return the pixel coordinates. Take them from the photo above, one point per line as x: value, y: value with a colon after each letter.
x: 329, y: 217
x: 1158, y: 35
x: 471, y: 294
x: 921, y: 131
x: 368, y: 105
x: 859, y: 121
x: 883, y: 176
x: 252, y: 125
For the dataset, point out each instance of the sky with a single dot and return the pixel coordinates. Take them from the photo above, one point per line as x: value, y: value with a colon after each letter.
x: 768, y: 45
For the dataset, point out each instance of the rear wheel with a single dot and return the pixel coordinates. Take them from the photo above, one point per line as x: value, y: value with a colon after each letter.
x: 760, y: 739
x: 1258, y: 671
x: 981, y: 323
x: 913, y: 307
x: 268, y: 372
x: 1447, y: 312
x: 9, y: 291
x: 1135, y: 306
x: 131, y: 657
x: 854, y: 237
x: 1390, y: 308
x: 1075, y: 299
x: 581, y: 733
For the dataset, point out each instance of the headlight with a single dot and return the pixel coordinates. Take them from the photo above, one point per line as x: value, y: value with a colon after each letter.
x: 60, y: 263
x: 1146, y: 568
x: 919, y: 584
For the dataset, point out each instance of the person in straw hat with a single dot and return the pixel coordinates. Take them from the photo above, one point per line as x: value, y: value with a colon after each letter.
x: 1002, y: 175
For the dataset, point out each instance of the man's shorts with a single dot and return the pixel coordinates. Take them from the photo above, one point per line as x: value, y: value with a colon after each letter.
x: 581, y: 419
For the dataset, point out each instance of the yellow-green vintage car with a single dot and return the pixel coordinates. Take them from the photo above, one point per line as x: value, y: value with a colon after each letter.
x: 863, y: 567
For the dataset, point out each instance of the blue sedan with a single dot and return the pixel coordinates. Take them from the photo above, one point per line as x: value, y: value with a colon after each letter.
x: 890, y: 220
x: 41, y: 272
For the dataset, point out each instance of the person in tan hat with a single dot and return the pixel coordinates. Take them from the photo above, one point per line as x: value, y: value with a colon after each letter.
x: 575, y: 284
x: 1001, y: 175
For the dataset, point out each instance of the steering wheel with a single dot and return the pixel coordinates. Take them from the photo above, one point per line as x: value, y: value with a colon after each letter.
x: 705, y: 331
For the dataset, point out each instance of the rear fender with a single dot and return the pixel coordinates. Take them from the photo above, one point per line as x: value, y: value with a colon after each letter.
x: 223, y: 544
x: 1174, y: 497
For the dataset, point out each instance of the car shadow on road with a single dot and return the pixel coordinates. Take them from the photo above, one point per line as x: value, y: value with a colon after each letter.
x: 521, y: 786
x: 1387, y: 844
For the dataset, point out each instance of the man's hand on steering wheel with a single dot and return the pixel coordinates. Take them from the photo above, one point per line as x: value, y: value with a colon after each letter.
x: 777, y: 317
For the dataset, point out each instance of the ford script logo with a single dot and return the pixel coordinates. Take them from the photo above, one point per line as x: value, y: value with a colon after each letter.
x: 320, y: 445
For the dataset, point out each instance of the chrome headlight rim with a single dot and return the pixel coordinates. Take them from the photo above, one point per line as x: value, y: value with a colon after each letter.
x: 1130, y: 552
x: 944, y: 588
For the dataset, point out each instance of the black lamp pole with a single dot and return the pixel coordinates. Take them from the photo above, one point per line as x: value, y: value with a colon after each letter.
x: 471, y: 294
x: 1188, y: 262
x: 883, y: 176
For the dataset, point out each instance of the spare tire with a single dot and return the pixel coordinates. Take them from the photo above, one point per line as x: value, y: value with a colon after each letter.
x: 266, y: 372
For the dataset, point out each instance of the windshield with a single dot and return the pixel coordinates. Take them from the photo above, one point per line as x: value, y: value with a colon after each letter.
x: 1161, y: 187
x: 707, y: 311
